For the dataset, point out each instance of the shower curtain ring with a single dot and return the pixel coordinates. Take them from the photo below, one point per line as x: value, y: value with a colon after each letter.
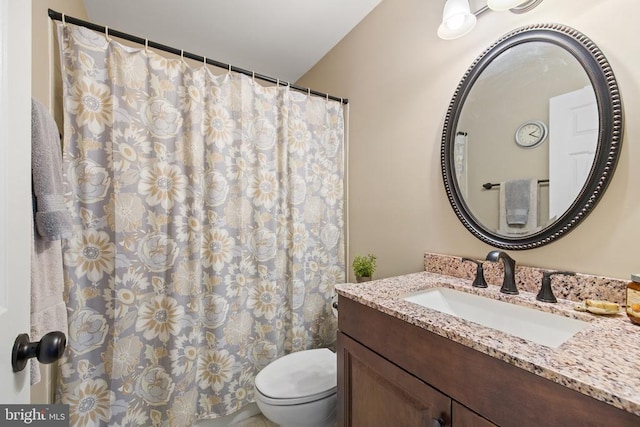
x: 64, y: 19
x: 204, y: 60
x: 229, y: 68
x: 146, y: 45
x: 253, y: 76
x: 182, y: 55
x: 308, y: 92
x: 106, y: 33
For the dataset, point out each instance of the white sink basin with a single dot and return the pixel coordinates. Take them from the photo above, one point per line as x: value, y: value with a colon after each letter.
x: 544, y: 328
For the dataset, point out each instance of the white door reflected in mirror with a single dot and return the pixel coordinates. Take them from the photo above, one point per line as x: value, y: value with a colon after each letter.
x: 573, y: 140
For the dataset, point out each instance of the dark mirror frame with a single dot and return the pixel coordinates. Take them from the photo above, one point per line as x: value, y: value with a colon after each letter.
x: 609, y: 134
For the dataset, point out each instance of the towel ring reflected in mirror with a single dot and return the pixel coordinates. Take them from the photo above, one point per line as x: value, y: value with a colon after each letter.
x: 497, y: 95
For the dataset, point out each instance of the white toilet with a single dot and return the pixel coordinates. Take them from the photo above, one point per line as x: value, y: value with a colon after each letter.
x: 299, y: 389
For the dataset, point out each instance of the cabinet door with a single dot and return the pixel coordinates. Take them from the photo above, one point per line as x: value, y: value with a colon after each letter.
x: 372, y: 392
x: 465, y: 417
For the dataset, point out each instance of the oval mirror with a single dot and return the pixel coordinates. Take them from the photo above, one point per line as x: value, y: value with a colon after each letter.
x: 532, y: 137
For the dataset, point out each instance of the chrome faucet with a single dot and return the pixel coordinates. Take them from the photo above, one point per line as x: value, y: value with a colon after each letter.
x: 509, y: 281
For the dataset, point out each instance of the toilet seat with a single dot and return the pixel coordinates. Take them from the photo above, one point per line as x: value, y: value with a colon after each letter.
x: 297, y: 378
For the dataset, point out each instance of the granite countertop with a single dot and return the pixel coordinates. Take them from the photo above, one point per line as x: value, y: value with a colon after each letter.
x: 600, y: 361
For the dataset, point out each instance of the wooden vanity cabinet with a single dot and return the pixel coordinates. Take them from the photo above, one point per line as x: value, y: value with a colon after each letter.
x: 382, y: 394
x: 464, y: 417
x: 392, y: 373
x: 378, y: 393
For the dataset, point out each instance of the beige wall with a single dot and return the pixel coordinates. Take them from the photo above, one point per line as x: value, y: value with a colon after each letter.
x: 40, y: 89
x: 399, y: 78
x: 43, y: 30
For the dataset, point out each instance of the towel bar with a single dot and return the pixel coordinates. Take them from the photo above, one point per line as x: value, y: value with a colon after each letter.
x: 489, y: 186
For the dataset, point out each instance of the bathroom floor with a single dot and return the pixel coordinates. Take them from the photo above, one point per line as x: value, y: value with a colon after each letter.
x: 255, y: 421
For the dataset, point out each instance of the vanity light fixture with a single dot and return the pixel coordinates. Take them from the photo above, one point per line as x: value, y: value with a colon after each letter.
x: 515, y: 6
x: 457, y: 19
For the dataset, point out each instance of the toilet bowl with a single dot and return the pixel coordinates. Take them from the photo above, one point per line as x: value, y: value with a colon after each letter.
x: 299, y: 389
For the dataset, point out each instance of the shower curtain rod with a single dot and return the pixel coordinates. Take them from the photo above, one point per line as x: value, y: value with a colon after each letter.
x: 145, y: 42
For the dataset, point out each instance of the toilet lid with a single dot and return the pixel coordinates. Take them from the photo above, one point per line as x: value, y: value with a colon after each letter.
x: 308, y: 373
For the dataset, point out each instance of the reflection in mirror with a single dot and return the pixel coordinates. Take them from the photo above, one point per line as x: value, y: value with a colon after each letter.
x: 532, y: 137
x: 521, y: 85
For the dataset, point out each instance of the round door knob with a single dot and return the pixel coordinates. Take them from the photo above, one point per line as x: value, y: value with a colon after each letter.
x: 437, y: 422
x: 49, y: 349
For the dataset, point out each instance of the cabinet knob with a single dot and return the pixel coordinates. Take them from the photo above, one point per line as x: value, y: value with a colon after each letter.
x: 437, y: 422
x: 49, y: 349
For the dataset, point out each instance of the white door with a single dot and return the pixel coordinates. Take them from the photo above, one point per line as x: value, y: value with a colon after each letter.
x: 15, y: 190
x: 573, y: 139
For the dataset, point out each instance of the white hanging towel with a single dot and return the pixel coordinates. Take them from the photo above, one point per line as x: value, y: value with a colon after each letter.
x: 518, y: 210
x: 460, y: 161
x: 52, y: 222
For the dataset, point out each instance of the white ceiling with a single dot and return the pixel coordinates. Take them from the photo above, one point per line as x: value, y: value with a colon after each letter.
x: 278, y: 38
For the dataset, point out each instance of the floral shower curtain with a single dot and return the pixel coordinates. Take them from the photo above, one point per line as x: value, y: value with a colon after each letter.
x: 208, y: 232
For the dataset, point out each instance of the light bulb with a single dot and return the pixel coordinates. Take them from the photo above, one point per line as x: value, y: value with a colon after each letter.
x: 455, y: 22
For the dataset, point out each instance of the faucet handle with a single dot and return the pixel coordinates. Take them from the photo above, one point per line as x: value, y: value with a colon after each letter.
x: 479, y: 281
x: 546, y: 293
